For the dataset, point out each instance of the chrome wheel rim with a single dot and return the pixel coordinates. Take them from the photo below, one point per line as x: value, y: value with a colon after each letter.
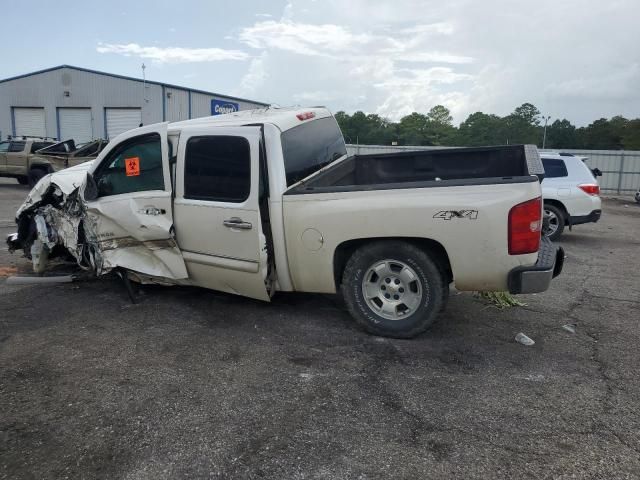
x: 392, y: 289
x: 554, y: 223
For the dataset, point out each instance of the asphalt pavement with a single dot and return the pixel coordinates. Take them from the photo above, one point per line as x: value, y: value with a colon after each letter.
x: 190, y: 383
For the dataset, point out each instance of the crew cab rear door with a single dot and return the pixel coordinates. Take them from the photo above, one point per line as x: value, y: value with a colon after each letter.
x: 219, y: 226
x: 129, y: 223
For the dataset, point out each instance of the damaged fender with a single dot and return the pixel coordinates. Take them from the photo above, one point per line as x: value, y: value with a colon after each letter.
x: 132, y: 231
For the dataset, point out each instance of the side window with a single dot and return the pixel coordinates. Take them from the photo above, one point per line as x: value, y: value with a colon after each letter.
x: 16, y: 146
x: 35, y: 146
x: 134, y: 166
x: 217, y: 169
x: 4, y: 147
x: 554, y: 168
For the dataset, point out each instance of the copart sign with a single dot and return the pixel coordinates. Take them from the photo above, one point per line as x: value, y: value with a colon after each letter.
x: 220, y: 107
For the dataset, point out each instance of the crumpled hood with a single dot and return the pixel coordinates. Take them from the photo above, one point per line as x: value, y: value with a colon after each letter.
x: 66, y: 180
x: 55, y: 215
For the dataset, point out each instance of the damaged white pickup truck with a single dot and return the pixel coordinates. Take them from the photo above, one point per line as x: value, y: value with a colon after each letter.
x: 268, y: 200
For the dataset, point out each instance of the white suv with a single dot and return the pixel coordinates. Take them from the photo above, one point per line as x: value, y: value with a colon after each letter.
x: 571, y: 192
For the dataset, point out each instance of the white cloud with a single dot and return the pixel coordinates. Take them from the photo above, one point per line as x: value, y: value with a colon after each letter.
x: 444, y: 28
x: 172, y: 54
x: 304, y: 39
x: 618, y: 84
x: 366, y: 65
x: 394, y: 57
x: 315, y: 97
x: 255, y: 76
x: 433, y: 57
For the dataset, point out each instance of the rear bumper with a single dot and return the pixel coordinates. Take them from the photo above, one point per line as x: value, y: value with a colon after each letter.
x: 537, y: 278
x: 593, y: 217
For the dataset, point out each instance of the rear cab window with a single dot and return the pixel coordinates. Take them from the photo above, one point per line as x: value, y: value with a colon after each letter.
x: 554, y: 168
x: 311, y: 146
x: 4, y: 147
x: 16, y: 146
x: 35, y: 146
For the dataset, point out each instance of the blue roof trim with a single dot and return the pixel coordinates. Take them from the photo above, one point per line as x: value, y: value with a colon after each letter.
x: 124, y: 77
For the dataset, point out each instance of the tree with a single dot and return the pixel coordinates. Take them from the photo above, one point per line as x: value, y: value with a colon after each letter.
x: 604, y: 134
x: 528, y: 113
x: 412, y: 129
x: 631, y: 136
x: 522, y: 125
x: 366, y: 129
x: 481, y: 129
x: 440, y: 115
x: 440, y: 129
x: 434, y: 128
x: 562, y: 134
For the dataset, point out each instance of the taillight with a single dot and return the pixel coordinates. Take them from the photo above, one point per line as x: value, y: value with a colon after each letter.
x: 590, y: 188
x: 525, y: 224
x: 305, y: 116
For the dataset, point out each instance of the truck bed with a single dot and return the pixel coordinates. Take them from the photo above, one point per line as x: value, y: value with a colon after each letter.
x: 424, y: 168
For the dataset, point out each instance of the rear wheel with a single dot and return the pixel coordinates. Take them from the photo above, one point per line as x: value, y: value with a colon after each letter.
x: 393, y: 289
x: 22, y: 180
x: 556, y: 221
x: 35, y: 174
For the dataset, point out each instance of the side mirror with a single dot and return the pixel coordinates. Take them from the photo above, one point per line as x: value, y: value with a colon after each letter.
x: 89, y: 189
x: 596, y: 172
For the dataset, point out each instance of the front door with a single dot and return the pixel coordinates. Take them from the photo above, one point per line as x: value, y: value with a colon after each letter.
x: 217, y: 209
x: 130, y: 223
x: 4, y: 147
x: 16, y: 157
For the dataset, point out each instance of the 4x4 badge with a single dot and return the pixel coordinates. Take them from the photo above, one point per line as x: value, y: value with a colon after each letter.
x: 449, y: 214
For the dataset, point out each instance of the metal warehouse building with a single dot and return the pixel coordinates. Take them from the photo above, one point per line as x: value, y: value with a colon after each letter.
x: 70, y: 102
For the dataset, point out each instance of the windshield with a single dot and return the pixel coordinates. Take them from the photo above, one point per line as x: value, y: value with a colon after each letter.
x: 311, y: 146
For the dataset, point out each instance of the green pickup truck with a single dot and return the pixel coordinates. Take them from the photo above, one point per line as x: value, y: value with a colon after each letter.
x: 28, y: 159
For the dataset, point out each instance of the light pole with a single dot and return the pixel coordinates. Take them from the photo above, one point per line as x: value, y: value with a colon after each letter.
x: 544, y: 136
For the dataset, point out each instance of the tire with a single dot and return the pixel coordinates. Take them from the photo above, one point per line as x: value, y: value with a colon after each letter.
x: 23, y: 180
x: 35, y: 174
x: 556, y: 221
x: 411, y: 281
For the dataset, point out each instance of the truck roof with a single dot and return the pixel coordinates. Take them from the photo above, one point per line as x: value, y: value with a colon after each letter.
x: 283, y: 118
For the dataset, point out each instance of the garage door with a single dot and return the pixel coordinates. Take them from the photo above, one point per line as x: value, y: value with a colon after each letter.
x: 29, y: 121
x: 75, y: 123
x: 120, y: 120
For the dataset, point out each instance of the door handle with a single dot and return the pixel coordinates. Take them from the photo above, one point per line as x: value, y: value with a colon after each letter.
x: 152, y: 211
x: 237, y: 222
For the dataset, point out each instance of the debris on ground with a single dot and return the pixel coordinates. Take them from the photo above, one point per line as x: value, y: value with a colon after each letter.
x: 570, y: 327
x: 500, y: 300
x: 524, y: 340
x: 7, y: 271
x: 38, y: 280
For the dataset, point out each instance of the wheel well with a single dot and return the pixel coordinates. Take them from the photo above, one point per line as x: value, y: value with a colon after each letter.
x: 560, y: 205
x: 435, y: 249
x: 46, y: 168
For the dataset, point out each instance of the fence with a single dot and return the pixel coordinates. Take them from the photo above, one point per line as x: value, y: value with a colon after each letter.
x: 620, y: 168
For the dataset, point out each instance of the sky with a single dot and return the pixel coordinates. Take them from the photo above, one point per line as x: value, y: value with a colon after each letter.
x: 574, y: 59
